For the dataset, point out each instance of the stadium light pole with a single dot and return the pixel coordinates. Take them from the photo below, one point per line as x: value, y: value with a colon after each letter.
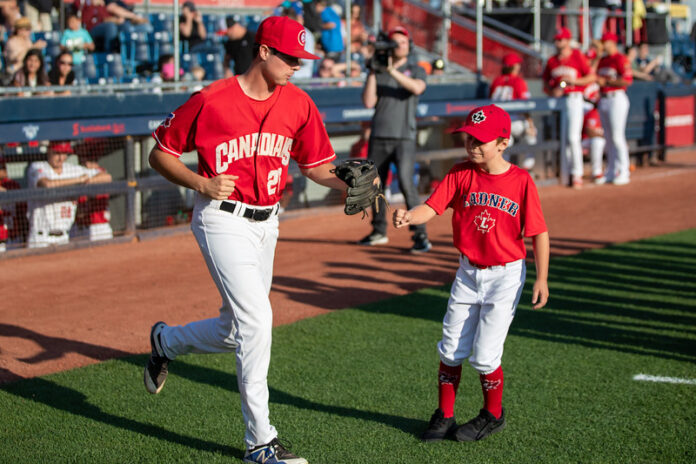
x: 479, y: 36
x: 177, y: 63
x: 537, y: 25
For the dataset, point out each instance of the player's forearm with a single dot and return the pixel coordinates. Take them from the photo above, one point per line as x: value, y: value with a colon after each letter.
x: 322, y: 175
x: 586, y: 80
x: 421, y: 214
x: 541, y: 255
x: 369, y: 95
x: 415, y: 86
x: 48, y: 183
x: 175, y: 171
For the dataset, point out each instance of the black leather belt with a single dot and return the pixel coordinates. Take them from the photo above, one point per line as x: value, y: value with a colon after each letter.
x: 52, y: 233
x: 242, y: 210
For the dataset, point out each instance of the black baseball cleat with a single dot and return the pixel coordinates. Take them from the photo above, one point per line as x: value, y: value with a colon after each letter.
x: 421, y: 244
x: 158, y: 364
x: 272, y: 453
x: 439, y: 427
x: 480, y: 427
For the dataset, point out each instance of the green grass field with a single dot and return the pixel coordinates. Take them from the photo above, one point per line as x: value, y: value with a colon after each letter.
x: 358, y: 385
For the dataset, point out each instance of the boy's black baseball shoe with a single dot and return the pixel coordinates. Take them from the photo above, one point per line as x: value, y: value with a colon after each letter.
x: 421, y: 244
x: 158, y: 364
x: 439, y: 427
x: 480, y: 427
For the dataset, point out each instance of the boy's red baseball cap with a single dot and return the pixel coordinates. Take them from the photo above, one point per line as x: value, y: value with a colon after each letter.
x: 562, y: 33
x: 60, y: 147
x: 610, y: 36
x: 398, y: 30
x: 511, y: 59
x: 487, y: 123
x: 285, y: 35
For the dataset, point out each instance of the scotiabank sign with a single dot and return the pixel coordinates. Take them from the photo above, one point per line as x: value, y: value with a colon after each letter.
x: 216, y: 3
x: 679, y: 120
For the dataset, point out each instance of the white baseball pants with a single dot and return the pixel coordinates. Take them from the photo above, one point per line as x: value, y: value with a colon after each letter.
x: 575, y: 114
x: 519, y: 128
x: 613, y: 112
x: 595, y: 145
x: 480, y: 310
x: 239, y: 254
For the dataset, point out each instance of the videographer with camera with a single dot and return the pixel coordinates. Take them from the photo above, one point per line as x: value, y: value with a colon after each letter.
x: 392, y: 89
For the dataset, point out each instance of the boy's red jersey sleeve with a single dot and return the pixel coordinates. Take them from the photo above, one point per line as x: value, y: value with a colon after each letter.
x: 176, y: 134
x: 312, y: 146
x: 446, y: 192
x: 533, y: 221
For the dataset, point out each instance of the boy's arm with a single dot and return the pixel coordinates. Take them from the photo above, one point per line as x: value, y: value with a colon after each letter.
x: 418, y: 215
x: 540, y: 292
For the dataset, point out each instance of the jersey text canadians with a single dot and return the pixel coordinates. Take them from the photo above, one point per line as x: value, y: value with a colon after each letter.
x: 244, y: 146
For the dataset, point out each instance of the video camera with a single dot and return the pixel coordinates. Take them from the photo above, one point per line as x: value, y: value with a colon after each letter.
x: 384, y: 47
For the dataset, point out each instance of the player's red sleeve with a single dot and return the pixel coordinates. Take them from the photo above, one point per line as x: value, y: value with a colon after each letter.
x: 177, y: 133
x: 533, y: 220
x: 447, y: 191
x: 522, y: 90
x: 626, y: 72
x: 312, y: 146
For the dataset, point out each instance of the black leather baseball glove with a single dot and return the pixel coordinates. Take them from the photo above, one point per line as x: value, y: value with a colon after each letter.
x: 363, y: 191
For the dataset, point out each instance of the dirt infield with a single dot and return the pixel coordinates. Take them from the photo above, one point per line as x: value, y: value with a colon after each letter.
x: 78, y: 307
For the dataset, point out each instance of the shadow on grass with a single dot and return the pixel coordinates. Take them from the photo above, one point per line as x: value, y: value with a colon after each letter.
x: 592, y: 306
x: 228, y: 381
x: 74, y: 402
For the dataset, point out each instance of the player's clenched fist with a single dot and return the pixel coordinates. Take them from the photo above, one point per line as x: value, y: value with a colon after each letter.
x: 401, y: 218
x: 220, y: 187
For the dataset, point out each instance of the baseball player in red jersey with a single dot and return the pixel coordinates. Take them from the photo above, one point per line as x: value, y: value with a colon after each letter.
x: 593, y: 141
x: 614, y: 75
x: 511, y: 86
x: 495, y: 205
x: 566, y: 74
x: 245, y: 128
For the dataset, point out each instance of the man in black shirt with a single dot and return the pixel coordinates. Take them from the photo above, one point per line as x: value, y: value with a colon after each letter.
x: 239, y: 46
x: 393, y: 91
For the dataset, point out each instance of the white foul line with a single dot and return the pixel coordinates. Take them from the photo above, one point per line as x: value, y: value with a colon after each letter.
x: 657, y: 378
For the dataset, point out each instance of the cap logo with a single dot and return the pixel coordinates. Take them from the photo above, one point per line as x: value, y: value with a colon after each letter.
x: 301, y: 38
x: 478, y: 117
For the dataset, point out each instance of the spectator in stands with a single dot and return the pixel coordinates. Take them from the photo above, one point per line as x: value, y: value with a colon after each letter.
x: 32, y: 73
x: 641, y: 73
x: 331, y: 36
x: 310, y: 16
x: 393, y: 91
x: 239, y: 46
x: 105, y: 21
x: 598, y: 15
x: 39, y: 13
x: 19, y: 44
x: 191, y: 26
x: 62, y: 72
x: 326, y: 68
x: 306, y: 70
x: 9, y: 13
x: 510, y: 85
x: 12, y: 217
x: 50, y: 221
x: 165, y: 65
x: 76, y: 40
x: 358, y: 30
x: 197, y: 75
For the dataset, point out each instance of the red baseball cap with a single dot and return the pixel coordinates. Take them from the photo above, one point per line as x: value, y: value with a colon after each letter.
x: 487, y: 123
x: 285, y: 35
x: 399, y: 30
x: 60, y: 147
x: 511, y: 59
x: 610, y: 36
x: 563, y: 33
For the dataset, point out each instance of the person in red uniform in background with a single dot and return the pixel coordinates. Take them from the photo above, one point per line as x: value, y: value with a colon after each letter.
x: 13, y: 218
x: 511, y: 86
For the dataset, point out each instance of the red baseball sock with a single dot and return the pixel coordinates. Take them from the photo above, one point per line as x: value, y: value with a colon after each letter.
x: 492, y: 386
x: 448, y: 382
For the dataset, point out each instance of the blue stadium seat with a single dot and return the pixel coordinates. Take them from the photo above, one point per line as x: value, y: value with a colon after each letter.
x: 253, y: 22
x: 187, y: 61
x: 114, y: 67
x: 213, y: 23
x: 213, y: 65
x: 163, y: 44
x: 162, y: 22
x: 89, y: 68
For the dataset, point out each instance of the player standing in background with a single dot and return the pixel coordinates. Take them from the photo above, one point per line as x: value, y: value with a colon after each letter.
x: 566, y: 74
x: 495, y: 205
x: 12, y: 217
x: 245, y: 130
x: 511, y: 86
x: 49, y: 221
x: 592, y: 132
x: 614, y: 75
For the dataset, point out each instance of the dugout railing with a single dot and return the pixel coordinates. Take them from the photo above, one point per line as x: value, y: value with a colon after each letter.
x: 142, y: 203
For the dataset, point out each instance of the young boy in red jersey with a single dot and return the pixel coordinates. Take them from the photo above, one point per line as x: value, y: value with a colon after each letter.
x: 495, y: 205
